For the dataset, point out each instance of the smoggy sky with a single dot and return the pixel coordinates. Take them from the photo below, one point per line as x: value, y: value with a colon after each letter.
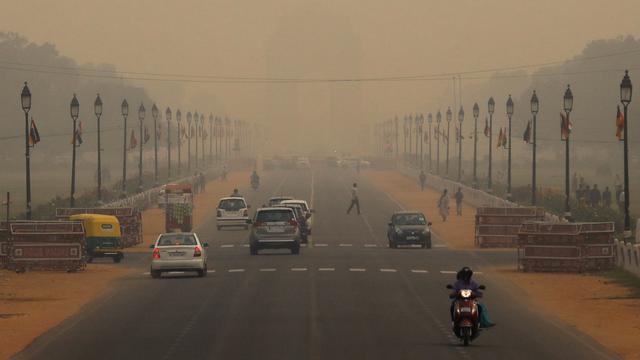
x: 312, y: 38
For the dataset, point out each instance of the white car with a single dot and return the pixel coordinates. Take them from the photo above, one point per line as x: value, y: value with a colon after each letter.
x: 178, y: 252
x: 305, y: 207
x: 232, y: 211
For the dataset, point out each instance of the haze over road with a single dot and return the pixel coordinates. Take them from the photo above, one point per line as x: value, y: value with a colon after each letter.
x: 346, y: 296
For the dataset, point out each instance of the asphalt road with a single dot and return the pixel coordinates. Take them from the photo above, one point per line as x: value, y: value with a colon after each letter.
x: 346, y: 296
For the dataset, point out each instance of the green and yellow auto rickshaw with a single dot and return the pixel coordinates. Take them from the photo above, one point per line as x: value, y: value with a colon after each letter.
x: 102, y: 236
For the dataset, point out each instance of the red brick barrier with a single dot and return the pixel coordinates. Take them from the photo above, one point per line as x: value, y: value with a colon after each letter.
x: 566, y: 247
x: 498, y: 227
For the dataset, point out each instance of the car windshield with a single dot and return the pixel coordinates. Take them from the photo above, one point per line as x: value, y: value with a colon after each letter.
x: 409, y: 219
x: 176, y: 239
x: 232, y: 204
x: 283, y: 215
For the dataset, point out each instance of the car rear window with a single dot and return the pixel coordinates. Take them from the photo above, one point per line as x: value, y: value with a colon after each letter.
x: 275, y: 215
x: 409, y: 219
x: 232, y: 204
x: 176, y: 240
x: 301, y: 204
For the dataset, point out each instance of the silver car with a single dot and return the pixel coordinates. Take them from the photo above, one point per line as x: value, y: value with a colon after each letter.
x: 232, y: 211
x: 178, y: 252
x: 274, y: 228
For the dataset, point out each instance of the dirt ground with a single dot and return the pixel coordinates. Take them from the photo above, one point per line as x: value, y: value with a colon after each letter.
x: 34, y: 302
x: 593, y: 304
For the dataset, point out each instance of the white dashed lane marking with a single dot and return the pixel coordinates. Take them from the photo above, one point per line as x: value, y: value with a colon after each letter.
x: 370, y: 245
x: 267, y: 270
x: 320, y: 245
x: 326, y: 269
x: 345, y: 245
x: 448, y: 272
x: 227, y: 246
x: 235, y: 270
x: 419, y: 271
x: 210, y: 271
x: 357, y: 269
x: 388, y: 270
x: 298, y: 269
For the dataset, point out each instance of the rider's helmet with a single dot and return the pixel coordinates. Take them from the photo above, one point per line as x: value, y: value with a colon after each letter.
x: 235, y: 191
x: 465, y: 274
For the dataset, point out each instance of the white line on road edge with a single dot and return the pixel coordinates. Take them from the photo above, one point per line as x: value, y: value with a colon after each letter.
x: 370, y: 245
x: 345, y: 245
x: 227, y: 246
x: 235, y: 270
x: 320, y: 245
x: 417, y: 271
x: 245, y: 245
x: 326, y: 269
x: 448, y: 272
x: 387, y: 270
x: 210, y: 271
x: 268, y: 270
x: 357, y: 269
x: 298, y: 269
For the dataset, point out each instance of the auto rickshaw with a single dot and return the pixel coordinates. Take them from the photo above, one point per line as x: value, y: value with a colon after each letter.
x: 102, y: 236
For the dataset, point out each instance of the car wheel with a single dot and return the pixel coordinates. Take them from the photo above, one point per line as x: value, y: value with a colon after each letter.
x: 155, y: 274
x: 392, y: 244
x: 117, y: 258
x: 253, y: 250
x: 295, y: 250
x: 201, y: 273
x: 219, y: 227
x: 246, y: 227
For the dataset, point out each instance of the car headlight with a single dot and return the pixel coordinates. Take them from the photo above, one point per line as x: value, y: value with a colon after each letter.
x: 465, y: 293
x: 426, y: 231
x: 398, y: 231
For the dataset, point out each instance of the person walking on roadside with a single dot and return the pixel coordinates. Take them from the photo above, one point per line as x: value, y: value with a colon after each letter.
x: 223, y: 176
x: 596, y: 197
x: 423, y: 179
x: 606, y: 197
x: 443, y: 205
x: 459, y: 197
x: 354, y: 199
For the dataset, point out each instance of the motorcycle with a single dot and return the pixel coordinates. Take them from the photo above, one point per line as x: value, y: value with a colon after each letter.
x: 255, y: 183
x: 466, y: 316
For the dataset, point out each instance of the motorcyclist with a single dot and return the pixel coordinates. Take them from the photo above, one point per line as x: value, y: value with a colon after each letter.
x: 255, y: 179
x: 235, y: 193
x: 463, y: 281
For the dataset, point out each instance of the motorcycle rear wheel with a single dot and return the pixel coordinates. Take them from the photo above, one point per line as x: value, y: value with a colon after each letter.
x: 466, y: 335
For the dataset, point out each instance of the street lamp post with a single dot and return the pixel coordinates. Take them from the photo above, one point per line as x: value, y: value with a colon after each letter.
x: 418, y: 137
x: 419, y: 129
x: 125, y: 114
x: 25, y: 100
x: 218, y: 134
x: 509, y: 114
x: 491, y: 106
x: 568, y: 106
x: 180, y: 134
x: 154, y: 114
x: 405, y: 132
x: 535, y: 106
x: 626, y: 89
x: 395, y: 121
x: 189, y: 134
x: 202, y: 139
x: 227, y: 131
x: 438, y: 121
x: 476, y: 113
x: 430, y: 120
x: 460, y: 120
x: 75, y: 110
x: 141, y: 115
x: 196, y: 120
x: 210, y: 138
x: 449, y: 117
x: 167, y: 115
x: 97, y: 107
x: 409, y: 126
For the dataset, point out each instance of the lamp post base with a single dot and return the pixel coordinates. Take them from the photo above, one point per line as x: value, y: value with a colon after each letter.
x: 509, y: 197
x: 627, y: 235
x: 567, y: 216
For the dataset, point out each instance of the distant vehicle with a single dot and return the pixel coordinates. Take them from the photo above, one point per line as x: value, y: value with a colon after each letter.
x: 331, y: 161
x: 307, y: 210
x: 409, y: 228
x: 301, y: 218
x: 232, y: 211
x: 353, y: 163
x: 178, y: 252
x: 303, y: 163
x: 274, y: 228
x: 278, y: 199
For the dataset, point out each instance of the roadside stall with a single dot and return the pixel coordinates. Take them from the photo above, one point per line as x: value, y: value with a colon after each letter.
x: 102, y: 236
x: 178, y: 205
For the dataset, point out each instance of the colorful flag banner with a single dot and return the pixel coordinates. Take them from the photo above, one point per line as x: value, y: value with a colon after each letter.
x: 133, y: 142
x: 620, y: 125
x: 527, y: 133
x: 565, y: 126
x: 147, y: 136
x: 504, y: 138
x: 34, y: 135
x: 486, y: 127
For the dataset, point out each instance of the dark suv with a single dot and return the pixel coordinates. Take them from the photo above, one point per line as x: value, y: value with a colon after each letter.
x: 409, y: 228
